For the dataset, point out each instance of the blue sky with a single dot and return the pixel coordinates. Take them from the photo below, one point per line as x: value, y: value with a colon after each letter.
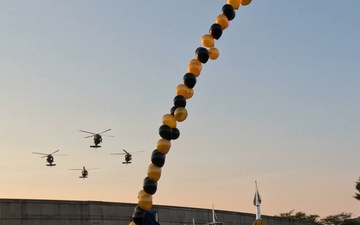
x: 280, y: 105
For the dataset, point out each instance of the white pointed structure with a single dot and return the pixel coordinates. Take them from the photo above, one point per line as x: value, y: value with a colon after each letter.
x: 257, y: 202
x: 213, y: 214
x: 214, y: 222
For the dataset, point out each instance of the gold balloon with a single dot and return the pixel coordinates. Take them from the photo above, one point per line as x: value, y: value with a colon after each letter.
x: 195, y: 67
x: 163, y: 146
x: 154, y: 172
x: 213, y: 53
x: 180, y: 114
x: 141, y: 193
x: 207, y: 40
x: 245, y: 2
x: 145, y: 202
x: 234, y: 3
x: 197, y: 62
x: 191, y: 92
x: 183, y: 90
x: 223, y: 21
x: 169, y: 120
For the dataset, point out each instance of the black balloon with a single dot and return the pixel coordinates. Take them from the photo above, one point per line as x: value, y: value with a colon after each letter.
x: 189, y: 80
x: 165, y: 132
x: 202, y: 54
x: 138, y: 209
x: 157, y: 158
x: 216, y: 31
x: 138, y: 217
x: 175, y: 133
x: 179, y: 101
x: 149, y: 186
x: 228, y: 11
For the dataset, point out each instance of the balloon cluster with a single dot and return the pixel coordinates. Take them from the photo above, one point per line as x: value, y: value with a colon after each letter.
x: 178, y: 112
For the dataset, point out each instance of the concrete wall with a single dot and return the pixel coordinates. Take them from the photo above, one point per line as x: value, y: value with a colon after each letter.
x: 56, y: 212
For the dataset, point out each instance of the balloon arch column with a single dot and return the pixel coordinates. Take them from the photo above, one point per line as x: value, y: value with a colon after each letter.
x: 178, y: 112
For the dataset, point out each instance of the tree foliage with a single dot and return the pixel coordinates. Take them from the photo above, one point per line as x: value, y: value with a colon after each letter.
x: 357, y: 186
x: 351, y: 222
x: 339, y: 219
x: 300, y: 216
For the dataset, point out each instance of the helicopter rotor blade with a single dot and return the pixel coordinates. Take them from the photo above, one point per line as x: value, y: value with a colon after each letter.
x: 131, y: 152
x: 108, y: 136
x: 40, y: 153
x: 54, y: 152
x: 93, y: 169
x: 87, y: 132
x: 90, y: 136
x: 105, y: 131
x: 137, y: 152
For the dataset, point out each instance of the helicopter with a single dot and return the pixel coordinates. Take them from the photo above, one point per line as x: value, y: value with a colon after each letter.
x: 49, y: 157
x: 128, y: 156
x: 97, y: 137
x: 84, y: 172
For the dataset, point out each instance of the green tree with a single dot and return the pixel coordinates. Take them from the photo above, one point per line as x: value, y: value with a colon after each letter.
x: 300, y: 216
x: 357, y: 186
x: 351, y: 222
x: 338, y: 219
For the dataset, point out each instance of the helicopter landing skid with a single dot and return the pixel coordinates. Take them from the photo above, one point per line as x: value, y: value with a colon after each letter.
x: 50, y: 164
x: 95, y: 146
x: 126, y: 162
